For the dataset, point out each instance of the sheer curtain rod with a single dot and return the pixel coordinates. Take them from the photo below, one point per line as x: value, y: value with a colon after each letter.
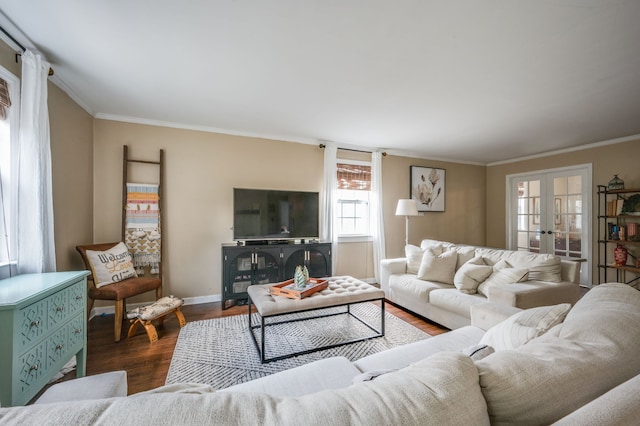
x: 384, y: 154
x: 20, y: 46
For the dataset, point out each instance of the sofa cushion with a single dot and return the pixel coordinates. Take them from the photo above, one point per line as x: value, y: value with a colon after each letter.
x: 617, y: 407
x: 438, y: 267
x: 470, y: 275
x: 452, y: 300
x: 593, y: 350
x: 465, y: 253
x: 402, y: 356
x: 542, y: 267
x: 524, y: 326
x: 329, y: 373
x: 426, y: 393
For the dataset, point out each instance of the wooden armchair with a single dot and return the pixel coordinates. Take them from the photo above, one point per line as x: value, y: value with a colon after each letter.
x: 119, y: 291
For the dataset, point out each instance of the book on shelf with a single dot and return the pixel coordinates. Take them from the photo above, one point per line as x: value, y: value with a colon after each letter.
x: 614, y: 207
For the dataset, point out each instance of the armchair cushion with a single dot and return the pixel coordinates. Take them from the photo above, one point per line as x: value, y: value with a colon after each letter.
x: 111, y: 265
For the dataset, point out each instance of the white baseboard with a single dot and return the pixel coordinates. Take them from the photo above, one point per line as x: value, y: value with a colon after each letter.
x: 110, y: 310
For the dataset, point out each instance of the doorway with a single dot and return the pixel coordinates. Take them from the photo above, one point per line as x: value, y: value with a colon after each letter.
x: 549, y: 211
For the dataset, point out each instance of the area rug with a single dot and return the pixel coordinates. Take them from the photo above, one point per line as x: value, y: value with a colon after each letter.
x: 220, y: 352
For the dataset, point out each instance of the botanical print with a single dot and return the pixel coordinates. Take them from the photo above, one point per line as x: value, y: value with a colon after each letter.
x: 427, y: 188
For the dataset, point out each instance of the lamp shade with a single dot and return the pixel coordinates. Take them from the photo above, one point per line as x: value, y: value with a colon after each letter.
x: 407, y: 208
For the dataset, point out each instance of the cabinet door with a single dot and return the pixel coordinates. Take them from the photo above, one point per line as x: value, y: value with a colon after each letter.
x: 238, y: 272
x: 316, y: 257
x: 319, y: 260
x: 267, y: 266
x: 293, y: 256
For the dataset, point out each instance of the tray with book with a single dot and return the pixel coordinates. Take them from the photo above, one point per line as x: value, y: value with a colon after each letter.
x: 289, y: 289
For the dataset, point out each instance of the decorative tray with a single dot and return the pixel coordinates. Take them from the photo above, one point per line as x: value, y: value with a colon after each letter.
x: 288, y: 288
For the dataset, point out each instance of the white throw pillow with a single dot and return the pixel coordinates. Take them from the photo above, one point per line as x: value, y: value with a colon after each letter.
x: 111, y: 266
x: 478, y: 352
x: 470, y: 275
x: 503, y: 273
x: 524, y: 326
x: 439, y: 268
x: 414, y: 258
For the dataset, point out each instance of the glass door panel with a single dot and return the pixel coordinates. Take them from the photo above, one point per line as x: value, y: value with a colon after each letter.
x: 550, y: 213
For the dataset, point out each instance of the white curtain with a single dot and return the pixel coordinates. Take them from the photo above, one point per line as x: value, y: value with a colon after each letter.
x: 377, y: 219
x: 328, y: 225
x: 36, y: 250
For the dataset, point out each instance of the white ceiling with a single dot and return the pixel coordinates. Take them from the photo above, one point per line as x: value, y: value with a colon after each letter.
x: 463, y: 80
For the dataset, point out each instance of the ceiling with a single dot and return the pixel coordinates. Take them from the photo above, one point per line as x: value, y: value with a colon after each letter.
x: 461, y: 80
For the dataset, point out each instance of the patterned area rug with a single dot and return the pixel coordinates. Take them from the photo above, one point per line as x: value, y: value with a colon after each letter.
x: 220, y: 352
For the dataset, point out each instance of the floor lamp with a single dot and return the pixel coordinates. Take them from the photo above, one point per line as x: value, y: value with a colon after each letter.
x: 407, y: 208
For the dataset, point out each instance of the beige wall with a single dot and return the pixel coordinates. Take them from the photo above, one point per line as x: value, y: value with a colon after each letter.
x: 201, y: 171
x: 621, y: 159
x: 463, y: 220
x: 71, y: 133
x: 203, y: 168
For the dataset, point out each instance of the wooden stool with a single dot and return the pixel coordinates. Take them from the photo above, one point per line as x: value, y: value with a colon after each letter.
x: 156, y: 311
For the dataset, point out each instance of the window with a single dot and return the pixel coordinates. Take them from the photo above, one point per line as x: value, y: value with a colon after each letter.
x: 9, y: 111
x: 354, y: 190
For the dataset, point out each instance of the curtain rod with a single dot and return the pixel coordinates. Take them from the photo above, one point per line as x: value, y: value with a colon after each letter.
x: 20, y: 46
x: 384, y: 154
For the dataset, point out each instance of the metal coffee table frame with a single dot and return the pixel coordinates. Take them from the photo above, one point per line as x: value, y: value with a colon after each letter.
x: 260, y: 347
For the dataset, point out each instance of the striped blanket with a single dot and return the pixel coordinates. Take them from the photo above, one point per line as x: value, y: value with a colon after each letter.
x: 142, y: 226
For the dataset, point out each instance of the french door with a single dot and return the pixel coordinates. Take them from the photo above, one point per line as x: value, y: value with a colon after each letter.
x: 549, y: 211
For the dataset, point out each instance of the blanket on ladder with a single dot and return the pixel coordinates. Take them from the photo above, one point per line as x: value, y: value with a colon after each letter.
x: 142, y: 226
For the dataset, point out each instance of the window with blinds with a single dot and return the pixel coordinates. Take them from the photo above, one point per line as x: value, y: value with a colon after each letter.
x: 354, y: 188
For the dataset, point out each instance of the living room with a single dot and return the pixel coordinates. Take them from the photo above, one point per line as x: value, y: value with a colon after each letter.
x: 203, y: 166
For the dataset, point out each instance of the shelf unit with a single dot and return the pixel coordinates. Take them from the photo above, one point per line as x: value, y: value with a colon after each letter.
x: 247, y: 265
x: 629, y: 273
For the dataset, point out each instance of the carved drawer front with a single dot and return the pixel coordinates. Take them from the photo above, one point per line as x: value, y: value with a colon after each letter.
x: 32, y: 324
x: 77, y: 294
x: 32, y: 366
x: 75, y: 333
x: 58, y: 346
x: 57, y: 309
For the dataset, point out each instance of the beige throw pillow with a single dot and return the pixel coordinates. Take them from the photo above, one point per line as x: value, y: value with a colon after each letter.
x: 470, y: 275
x: 111, y: 266
x: 524, y: 326
x: 439, y: 268
x: 503, y: 273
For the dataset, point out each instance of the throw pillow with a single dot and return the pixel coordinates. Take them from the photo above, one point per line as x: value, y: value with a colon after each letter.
x: 478, y: 352
x: 470, y: 275
x: 370, y: 375
x: 111, y: 266
x: 524, y: 326
x: 414, y: 258
x: 439, y: 268
x: 502, y: 274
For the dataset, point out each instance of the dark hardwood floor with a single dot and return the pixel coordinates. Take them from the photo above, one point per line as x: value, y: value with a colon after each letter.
x: 147, y: 363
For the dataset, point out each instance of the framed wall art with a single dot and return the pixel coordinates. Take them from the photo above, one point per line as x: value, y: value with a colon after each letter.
x: 428, y: 188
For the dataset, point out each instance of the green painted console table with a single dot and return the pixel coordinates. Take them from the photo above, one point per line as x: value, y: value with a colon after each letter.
x: 42, y: 326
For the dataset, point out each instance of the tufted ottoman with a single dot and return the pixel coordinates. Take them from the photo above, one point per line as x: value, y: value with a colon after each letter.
x: 341, y: 291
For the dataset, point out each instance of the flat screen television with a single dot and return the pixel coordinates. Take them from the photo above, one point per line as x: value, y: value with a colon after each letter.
x: 265, y: 214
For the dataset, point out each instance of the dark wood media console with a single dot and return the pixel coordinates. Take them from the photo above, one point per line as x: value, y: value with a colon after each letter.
x: 265, y: 263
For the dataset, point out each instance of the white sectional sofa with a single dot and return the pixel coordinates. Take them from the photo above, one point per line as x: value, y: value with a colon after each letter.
x: 573, y: 367
x: 441, y: 281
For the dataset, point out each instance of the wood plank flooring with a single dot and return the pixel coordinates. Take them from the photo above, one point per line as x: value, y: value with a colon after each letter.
x: 147, y: 363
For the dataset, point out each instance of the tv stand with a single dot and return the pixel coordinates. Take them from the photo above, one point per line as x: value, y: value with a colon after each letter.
x: 272, y: 261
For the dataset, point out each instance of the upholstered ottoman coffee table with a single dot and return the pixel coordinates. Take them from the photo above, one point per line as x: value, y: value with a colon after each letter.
x: 341, y: 292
